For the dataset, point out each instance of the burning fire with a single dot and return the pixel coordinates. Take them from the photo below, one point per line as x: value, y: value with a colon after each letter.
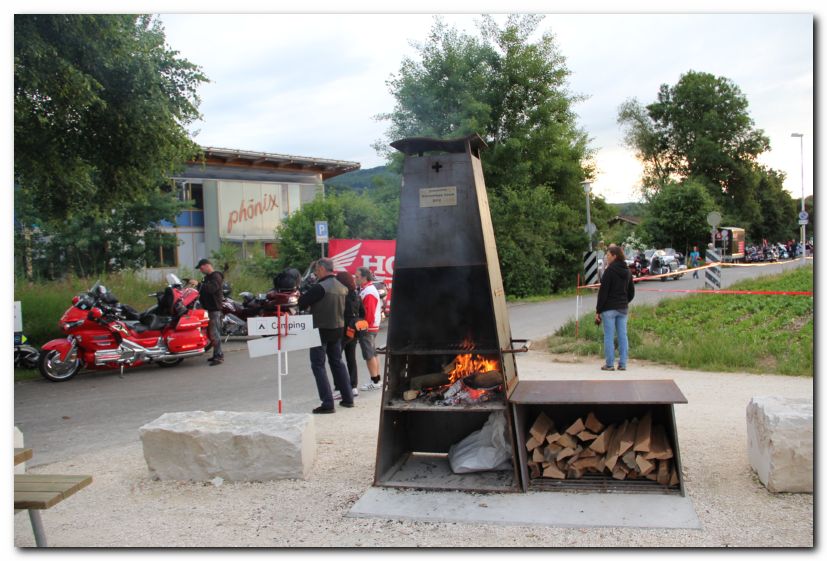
x: 465, y: 365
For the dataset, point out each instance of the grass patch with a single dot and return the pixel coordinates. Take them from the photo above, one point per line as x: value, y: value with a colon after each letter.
x: 716, y: 332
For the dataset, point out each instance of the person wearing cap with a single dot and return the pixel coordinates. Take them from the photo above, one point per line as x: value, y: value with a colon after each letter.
x: 211, y: 296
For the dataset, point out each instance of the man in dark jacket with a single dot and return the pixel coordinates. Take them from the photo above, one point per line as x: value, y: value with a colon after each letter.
x: 617, y: 289
x: 211, y: 296
x: 326, y: 300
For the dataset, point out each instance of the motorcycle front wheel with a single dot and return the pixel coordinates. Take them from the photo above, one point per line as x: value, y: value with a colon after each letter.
x: 56, y: 370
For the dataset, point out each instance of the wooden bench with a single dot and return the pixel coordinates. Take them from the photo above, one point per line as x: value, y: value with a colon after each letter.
x: 36, y: 492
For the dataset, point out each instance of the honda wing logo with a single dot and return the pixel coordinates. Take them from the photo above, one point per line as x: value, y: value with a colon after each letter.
x: 345, y: 259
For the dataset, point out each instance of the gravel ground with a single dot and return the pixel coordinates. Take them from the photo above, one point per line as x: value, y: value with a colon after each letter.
x: 124, y: 507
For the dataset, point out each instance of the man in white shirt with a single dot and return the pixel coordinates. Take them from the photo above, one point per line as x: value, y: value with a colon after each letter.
x: 373, y: 315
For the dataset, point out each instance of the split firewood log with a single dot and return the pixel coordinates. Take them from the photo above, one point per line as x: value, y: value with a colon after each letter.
x: 532, y: 443
x: 586, y: 436
x: 613, y: 447
x: 643, y: 435
x: 627, y: 440
x: 599, y: 444
x: 410, y: 395
x: 566, y: 441
x: 585, y: 463
x: 534, y: 470
x: 541, y: 427
x: 575, y: 427
x: 673, y: 476
x: 565, y: 453
x: 553, y: 472
x: 538, y: 455
x: 629, y: 459
x: 593, y: 424
x: 644, y: 466
x: 659, y: 448
x: 553, y: 437
x: 663, y: 472
x: 619, y: 472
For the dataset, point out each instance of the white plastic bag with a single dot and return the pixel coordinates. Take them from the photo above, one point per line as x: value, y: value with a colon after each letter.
x: 487, y: 449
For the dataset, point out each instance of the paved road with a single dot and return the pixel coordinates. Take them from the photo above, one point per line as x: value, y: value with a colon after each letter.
x: 97, y: 410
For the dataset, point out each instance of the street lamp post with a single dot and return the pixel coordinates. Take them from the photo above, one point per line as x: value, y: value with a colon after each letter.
x: 800, y: 137
x: 587, y: 188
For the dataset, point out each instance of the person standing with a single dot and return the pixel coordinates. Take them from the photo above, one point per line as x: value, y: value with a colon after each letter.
x: 326, y: 300
x: 211, y: 295
x: 617, y: 289
x: 694, y: 260
x: 373, y: 315
x: 354, y: 311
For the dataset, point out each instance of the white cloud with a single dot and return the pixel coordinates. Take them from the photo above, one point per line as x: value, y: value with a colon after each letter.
x: 311, y: 84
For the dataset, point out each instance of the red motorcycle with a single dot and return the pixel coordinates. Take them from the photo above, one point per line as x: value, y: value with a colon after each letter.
x: 99, y: 337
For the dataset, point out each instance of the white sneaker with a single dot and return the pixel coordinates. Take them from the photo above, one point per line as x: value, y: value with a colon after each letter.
x: 337, y: 395
x: 354, y: 391
x: 371, y: 386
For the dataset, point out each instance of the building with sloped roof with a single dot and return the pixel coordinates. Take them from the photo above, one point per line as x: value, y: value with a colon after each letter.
x: 239, y: 197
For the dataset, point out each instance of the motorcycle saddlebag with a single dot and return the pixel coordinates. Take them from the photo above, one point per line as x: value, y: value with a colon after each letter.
x: 194, y: 319
x: 182, y: 341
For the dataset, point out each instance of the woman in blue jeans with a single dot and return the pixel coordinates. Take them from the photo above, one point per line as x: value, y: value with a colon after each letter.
x: 617, y: 289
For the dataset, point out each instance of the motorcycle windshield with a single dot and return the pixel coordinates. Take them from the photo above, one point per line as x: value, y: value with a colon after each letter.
x: 173, y: 280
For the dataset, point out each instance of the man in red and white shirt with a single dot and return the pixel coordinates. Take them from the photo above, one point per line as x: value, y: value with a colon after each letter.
x: 373, y: 315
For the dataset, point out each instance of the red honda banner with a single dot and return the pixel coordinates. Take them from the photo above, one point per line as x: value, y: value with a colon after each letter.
x: 376, y: 255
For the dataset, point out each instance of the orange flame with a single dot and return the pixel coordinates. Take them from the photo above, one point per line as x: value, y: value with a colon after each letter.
x: 465, y: 365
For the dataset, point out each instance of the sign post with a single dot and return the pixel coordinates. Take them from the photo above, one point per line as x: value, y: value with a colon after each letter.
x: 321, y: 233
x: 282, y: 333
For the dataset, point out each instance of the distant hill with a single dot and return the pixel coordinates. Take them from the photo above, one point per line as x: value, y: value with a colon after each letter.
x: 631, y: 209
x: 360, y: 180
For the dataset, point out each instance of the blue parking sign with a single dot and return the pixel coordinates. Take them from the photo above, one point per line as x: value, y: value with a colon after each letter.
x: 321, y: 232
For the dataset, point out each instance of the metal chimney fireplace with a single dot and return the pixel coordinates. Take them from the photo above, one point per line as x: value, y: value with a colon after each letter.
x: 448, y: 308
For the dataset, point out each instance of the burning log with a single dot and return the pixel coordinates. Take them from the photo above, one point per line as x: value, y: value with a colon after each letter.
x: 631, y: 449
x: 429, y: 381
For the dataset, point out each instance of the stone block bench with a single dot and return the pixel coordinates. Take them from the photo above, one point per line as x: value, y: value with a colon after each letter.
x: 780, y: 443
x: 235, y: 446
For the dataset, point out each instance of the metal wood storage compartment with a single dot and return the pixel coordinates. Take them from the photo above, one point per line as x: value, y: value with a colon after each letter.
x: 448, y: 300
x: 612, y: 401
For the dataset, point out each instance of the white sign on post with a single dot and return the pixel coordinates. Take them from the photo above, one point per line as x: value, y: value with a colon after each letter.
x: 284, y: 333
x: 299, y: 334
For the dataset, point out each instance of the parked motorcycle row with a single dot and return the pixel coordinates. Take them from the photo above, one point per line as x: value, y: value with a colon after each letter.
x: 103, y: 333
x: 654, y: 262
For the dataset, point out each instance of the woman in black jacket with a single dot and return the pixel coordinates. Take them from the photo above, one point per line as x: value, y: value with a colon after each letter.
x: 354, y: 310
x: 617, y: 289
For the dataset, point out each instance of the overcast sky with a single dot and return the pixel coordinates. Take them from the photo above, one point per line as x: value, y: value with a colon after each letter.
x: 311, y: 84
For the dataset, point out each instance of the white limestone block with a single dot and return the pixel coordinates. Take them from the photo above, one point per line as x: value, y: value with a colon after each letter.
x: 233, y: 446
x: 780, y: 443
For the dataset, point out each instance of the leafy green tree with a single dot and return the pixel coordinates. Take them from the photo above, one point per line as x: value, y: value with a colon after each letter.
x: 512, y: 91
x: 778, y: 210
x: 101, y: 106
x: 100, y: 109
x: 699, y: 128
x: 677, y: 215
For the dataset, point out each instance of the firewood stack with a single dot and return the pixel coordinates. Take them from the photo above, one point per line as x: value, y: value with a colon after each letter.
x: 632, y: 449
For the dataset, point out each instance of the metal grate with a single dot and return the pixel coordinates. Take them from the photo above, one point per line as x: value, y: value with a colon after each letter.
x: 601, y: 484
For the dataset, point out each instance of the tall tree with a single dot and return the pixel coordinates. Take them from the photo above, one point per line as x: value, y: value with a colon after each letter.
x: 700, y: 128
x: 512, y: 90
x: 101, y: 106
x: 100, y: 109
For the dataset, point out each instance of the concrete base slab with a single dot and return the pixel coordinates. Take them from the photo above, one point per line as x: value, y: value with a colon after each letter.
x: 561, y: 510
